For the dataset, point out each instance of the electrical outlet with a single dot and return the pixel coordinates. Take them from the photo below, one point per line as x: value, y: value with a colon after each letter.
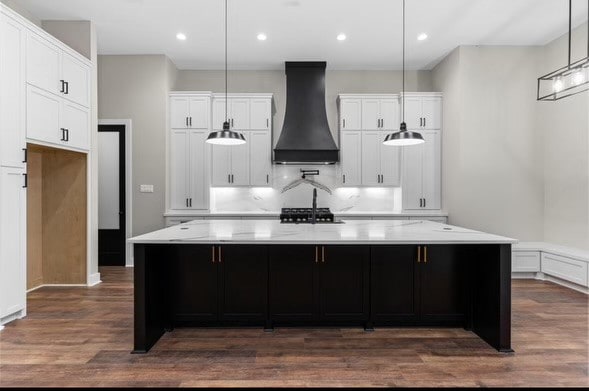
x: 146, y: 188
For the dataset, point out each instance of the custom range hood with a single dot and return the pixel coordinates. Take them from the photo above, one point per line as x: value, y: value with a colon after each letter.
x: 305, y: 137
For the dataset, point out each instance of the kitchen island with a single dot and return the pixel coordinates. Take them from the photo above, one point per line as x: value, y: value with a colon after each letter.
x: 235, y: 273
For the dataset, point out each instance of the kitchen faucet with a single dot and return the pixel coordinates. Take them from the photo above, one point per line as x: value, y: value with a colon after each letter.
x: 314, y: 211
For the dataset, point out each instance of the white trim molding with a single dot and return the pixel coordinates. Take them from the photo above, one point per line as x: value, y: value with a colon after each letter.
x: 94, y: 279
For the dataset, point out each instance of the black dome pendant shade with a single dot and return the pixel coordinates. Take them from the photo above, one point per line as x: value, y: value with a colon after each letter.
x: 403, y: 137
x: 226, y: 136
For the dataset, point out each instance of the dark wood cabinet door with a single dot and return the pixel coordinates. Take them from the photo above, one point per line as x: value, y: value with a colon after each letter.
x: 442, y: 280
x: 344, y: 283
x: 293, y: 283
x: 243, y: 282
x: 394, y: 284
x: 194, y: 284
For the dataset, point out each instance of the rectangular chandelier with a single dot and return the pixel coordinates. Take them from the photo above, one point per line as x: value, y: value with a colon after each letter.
x: 569, y: 80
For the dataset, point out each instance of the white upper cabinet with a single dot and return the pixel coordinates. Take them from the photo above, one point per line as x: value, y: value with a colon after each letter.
x: 189, y: 112
x: 260, y: 114
x: 380, y: 113
x: 422, y: 173
x: 221, y: 165
x: 198, y: 170
x: 240, y: 113
x: 380, y: 163
x: 52, y: 69
x: 350, y: 114
x: 260, y: 145
x: 179, y: 169
x: 370, y: 114
x: 389, y: 114
x: 351, y: 157
x: 390, y: 163
x: 423, y: 111
x: 76, y: 122
x: 12, y: 93
x: 43, y: 122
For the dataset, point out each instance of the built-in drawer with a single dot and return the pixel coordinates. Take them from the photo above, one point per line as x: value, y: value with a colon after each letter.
x: 565, y: 268
x: 525, y: 261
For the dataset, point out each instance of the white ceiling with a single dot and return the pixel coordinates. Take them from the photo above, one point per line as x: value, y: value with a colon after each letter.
x: 307, y: 29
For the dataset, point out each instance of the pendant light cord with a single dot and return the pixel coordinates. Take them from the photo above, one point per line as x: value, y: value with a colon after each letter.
x: 226, y: 60
x: 570, y: 25
x: 403, y: 61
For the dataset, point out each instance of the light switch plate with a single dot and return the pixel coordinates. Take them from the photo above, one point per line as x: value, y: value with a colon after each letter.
x: 146, y: 188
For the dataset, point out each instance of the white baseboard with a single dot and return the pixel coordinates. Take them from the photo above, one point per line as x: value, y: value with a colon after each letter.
x: 55, y: 285
x: 544, y: 277
x: 130, y: 262
x: 94, y: 279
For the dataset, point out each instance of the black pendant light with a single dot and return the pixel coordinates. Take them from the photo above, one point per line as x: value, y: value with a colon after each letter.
x: 569, y: 80
x: 403, y: 137
x: 226, y: 136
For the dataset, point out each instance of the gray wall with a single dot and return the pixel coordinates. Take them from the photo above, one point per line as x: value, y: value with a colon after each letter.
x: 564, y: 126
x: 78, y: 34
x: 336, y: 82
x: 136, y: 87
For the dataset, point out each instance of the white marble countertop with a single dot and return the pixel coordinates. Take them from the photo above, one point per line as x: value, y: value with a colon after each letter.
x: 350, y: 232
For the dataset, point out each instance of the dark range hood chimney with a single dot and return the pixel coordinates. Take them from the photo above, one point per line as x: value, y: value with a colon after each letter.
x: 305, y: 137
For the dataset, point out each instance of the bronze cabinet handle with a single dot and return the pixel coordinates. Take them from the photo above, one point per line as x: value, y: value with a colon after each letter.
x: 418, y: 254
x: 425, y: 254
x: 220, y: 259
x: 323, y: 254
x: 213, y: 254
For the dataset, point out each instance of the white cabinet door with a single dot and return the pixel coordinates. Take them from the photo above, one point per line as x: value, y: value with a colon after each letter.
x: 351, y: 114
x: 179, y: 168
x: 240, y: 167
x: 43, y: 122
x: 370, y: 114
x: 12, y: 241
x: 412, y: 176
x: 219, y: 113
x: 371, y: 142
x: 198, y: 185
x: 199, y: 113
x: 179, y: 112
x: 77, y: 80
x: 351, y: 157
x: 431, y: 172
x: 432, y: 112
x: 12, y: 110
x: 413, y: 116
x: 261, y: 112
x: 221, y: 165
x: 390, y: 163
x: 43, y: 64
x: 260, y: 158
x: 389, y: 113
x: 76, y: 120
x: 240, y: 114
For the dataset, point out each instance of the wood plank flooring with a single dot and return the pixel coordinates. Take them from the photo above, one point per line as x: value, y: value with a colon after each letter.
x: 81, y: 337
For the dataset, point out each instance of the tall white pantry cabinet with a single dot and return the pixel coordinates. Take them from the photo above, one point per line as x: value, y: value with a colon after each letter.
x: 44, y: 99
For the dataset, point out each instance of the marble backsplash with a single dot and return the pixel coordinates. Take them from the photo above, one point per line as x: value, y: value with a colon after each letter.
x: 271, y: 199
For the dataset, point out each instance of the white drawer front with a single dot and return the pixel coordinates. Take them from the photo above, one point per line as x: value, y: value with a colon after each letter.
x: 525, y: 261
x: 565, y: 268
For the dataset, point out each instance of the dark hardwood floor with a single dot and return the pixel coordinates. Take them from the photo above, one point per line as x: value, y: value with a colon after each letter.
x: 83, y: 336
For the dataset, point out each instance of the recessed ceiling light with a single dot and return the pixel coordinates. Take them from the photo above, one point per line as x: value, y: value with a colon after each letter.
x: 422, y: 37
x: 181, y: 36
x: 262, y: 37
x: 341, y: 37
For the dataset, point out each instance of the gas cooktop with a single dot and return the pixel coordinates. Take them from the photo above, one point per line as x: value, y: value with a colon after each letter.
x: 305, y: 215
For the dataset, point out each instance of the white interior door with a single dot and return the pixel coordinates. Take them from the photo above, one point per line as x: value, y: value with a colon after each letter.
x: 260, y: 158
x: 77, y: 78
x: 370, y: 114
x: 390, y: 163
x: 12, y: 241
x: 43, y: 116
x: 351, y: 157
x: 389, y: 113
x: 108, y: 180
x: 413, y: 113
x: 179, y: 112
x: 219, y: 113
x: 12, y: 124
x: 76, y: 119
x: 432, y: 112
x: 412, y: 176
x: 351, y: 114
x: 221, y: 165
x: 199, y: 113
x: 240, y: 114
x: 260, y: 114
x: 198, y: 184
x: 371, y: 141
x: 431, y: 169
x: 179, y: 169
x: 240, y: 167
x: 43, y: 64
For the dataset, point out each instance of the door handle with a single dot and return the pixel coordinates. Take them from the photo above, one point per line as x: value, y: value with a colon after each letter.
x: 186, y: 202
x: 67, y: 134
x: 228, y: 178
x: 322, y: 254
x: 418, y: 254
x: 267, y: 123
x: 344, y: 123
x: 344, y: 178
x: 381, y: 178
x: 267, y: 178
x: 232, y: 179
x: 424, y: 254
x: 220, y: 259
x: 424, y: 122
x: 67, y: 88
x: 62, y: 86
x: 190, y: 202
x: 420, y: 122
x: 213, y: 255
x: 190, y: 121
x: 25, y: 158
x: 316, y: 254
x: 62, y: 134
x: 26, y: 181
x: 424, y: 202
x: 186, y: 121
x: 421, y: 202
x: 231, y: 122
